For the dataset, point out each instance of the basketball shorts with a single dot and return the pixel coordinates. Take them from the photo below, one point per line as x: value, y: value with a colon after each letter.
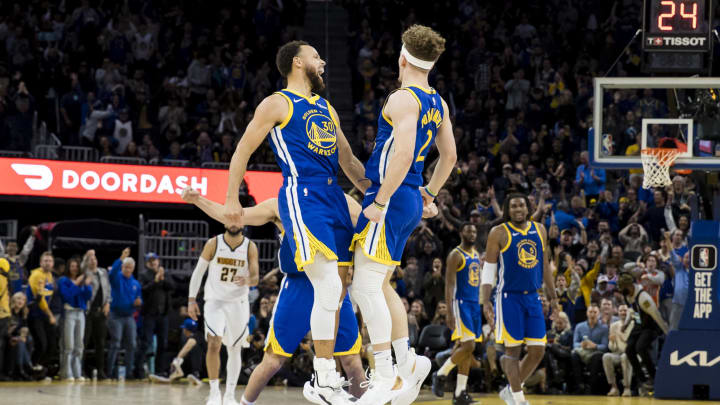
x: 519, y: 319
x: 315, y: 216
x: 290, y: 321
x: 384, y: 242
x: 468, y: 321
x: 228, y: 319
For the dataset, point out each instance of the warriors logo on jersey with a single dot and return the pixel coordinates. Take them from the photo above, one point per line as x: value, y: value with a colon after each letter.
x: 527, y: 254
x: 321, y: 131
x: 466, y: 305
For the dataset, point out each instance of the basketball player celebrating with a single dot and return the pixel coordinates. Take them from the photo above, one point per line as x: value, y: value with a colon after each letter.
x: 308, y: 144
x: 462, y: 294
x: 290, y: 323
x: 519, y: 245
x: 411, y: 119
x: 231, y: 260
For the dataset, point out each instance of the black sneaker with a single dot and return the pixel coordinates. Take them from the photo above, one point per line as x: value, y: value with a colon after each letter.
x: 438, y: 384
x: 463, y: 399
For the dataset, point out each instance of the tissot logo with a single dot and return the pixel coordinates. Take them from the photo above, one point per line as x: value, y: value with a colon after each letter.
x: 698, y: 358
x: 676, y: 41
x: 101, y: 181
x: 37, y: 177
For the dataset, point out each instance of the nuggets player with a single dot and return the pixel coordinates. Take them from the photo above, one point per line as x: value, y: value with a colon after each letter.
x: 309, y: 145
x: 231, y: 261
x: 412, y: 118
x: 519, y: 244
x: 462, y: 294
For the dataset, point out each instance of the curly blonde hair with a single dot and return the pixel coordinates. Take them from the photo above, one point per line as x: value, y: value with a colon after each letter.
x: 423, y: 42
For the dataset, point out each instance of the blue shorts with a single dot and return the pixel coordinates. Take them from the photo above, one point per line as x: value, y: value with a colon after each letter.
x: 315, y: 216
x: 468, y: 321
x: 519, y: 319
x: 291, y: 320
x: 384, y: 242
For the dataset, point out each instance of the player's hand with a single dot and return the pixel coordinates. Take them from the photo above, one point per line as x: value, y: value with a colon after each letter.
x: 427, y: 198
x: 240, y: 281
x: 429, y: 210
x: 233, y: 212
x: 190, y: 195
x: 450, y: 321
x: 193, y: 310
x: 373, y: 213
x: 489, y: 312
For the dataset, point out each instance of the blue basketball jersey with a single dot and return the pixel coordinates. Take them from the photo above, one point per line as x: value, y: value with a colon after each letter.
x: 305, y: 143
x: 521, y: 260
x: 429, y: 120
x: 467, y: 285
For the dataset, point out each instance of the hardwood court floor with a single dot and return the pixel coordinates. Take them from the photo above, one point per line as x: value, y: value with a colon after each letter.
x: 132, y: 393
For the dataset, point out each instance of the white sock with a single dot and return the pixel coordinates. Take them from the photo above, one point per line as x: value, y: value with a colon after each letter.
x: 234, y: 364
x: 323, y: 368
x: 383, y: 363
x: 244, y: 401
x: 214, y: 386
x: 401, y: 350
x: 518, y: 396
x: 461, y: 384
x: 446, y: 367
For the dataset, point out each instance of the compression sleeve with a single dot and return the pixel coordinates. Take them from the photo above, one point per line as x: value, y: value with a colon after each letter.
x: 197, y: 275
x: 489, y: 273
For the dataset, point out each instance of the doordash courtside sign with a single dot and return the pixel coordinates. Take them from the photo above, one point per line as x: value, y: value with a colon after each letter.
x: 118, y: 182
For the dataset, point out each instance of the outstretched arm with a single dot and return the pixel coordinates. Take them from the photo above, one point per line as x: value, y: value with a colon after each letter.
x: 258, y: 215
x: 271, y: 111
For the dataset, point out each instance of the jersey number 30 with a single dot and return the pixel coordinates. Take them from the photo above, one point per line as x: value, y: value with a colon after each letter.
x: 225, y: 276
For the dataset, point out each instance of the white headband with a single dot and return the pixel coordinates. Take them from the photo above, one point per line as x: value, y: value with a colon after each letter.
x: 422, y: 64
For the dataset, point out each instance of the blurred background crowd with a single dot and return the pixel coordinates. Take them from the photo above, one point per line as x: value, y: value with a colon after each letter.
x: 178, y: 81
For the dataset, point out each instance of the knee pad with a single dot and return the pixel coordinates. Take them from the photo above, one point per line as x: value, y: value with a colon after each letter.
x: 367, y: 286
x: 323, y: 275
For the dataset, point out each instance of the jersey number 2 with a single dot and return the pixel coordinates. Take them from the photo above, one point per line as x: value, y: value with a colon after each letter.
x: 421, y: 157
x: 225, y: 276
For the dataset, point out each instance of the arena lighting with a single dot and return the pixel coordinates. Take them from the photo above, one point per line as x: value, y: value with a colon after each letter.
x: 118, y: 182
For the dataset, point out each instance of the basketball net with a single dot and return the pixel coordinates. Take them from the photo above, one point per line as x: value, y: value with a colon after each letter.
x: 656, y: 165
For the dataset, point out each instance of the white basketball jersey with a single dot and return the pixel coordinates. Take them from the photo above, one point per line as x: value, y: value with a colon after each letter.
x: 224, y: 266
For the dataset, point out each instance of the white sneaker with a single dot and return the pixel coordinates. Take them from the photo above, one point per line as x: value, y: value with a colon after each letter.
x: 416, y: 378
x: 193, y: 380
x: 70, y: 380
x: 229, y: 400
x: 81, y: 379
x: 506, y: 395
x: 176, y: 369
x: 215, y: 398
x: 158, y: 379
x: 380, y: 390
x: 334, y: 394
x: 627, y: 392
x: 311, y: 395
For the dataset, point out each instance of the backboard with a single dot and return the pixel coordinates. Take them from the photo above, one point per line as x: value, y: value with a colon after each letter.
x: 630, y: 114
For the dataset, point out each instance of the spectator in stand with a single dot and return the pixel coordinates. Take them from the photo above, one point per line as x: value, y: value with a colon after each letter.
x: 98, y: 310
x: 591, y: 180
x: 417, y: 310
x: 434, y: 286
x: 75, y: 290
x: 42, y: 321
x: 619, y: 333
x: 16, y: 275
x: 590, y: 341
x: 633, y: 237
x: 680, y: 271
x: 126, y: 298
x: 157, y: 287
x: 607, y: 308
x: 654, y: 218
x: 559, y: 349
x: 649, y: 325
x: 20, y: 341
x: 192, y: 349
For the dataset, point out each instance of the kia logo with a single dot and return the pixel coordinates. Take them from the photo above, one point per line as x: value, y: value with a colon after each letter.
x: 38, y: 177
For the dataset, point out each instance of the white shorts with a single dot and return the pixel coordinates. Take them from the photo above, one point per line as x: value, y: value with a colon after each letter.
x: 228, y: 319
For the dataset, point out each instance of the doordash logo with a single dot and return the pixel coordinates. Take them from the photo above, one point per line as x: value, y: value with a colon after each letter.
x: 62, y: 179
x: 37, y: 177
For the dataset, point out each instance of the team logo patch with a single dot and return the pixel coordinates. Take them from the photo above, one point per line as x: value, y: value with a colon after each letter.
x: 321, y: 132
x: 527, y: 254
x: 474, y: 275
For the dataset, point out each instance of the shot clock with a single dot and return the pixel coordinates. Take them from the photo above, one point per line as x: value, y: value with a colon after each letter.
x: 676, y: 35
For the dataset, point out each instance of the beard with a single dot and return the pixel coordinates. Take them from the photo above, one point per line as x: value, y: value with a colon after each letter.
x: 233, y: 231
x: 316, y: 82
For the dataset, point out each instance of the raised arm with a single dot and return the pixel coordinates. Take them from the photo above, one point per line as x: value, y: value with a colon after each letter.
x: 272, y: 111
x: 258, y: 215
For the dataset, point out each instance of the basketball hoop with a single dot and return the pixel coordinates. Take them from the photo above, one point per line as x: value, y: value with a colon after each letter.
x: 656, y: 165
